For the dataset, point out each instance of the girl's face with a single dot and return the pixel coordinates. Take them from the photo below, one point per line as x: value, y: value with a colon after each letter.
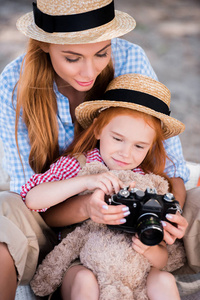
x: 125, y: 141
x: 79, y: 65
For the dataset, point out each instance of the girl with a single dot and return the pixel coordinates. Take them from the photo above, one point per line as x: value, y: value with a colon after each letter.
x: 123, y: 132
x: 68, y: 61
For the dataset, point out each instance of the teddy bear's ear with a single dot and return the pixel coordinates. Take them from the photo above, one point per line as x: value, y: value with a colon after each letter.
x: 93, y: 167
x: 81, y: 159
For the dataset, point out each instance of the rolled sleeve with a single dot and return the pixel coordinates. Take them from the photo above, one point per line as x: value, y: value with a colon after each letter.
x: 176, y: 164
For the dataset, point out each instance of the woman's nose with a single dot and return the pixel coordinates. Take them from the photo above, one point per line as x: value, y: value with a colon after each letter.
x: 88, y: 70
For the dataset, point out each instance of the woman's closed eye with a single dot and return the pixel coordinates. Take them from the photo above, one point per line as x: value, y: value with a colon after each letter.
x: 72, y: 59
x: 104, y: 54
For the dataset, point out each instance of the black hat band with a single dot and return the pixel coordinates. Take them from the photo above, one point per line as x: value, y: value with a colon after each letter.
x: 137, y: 97
x: 76, y: 22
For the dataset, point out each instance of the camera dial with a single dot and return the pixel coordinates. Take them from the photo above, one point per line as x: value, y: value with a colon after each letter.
x: 151, y: 190
x: 139, y: 195
x: 124, y: 192
x: 169, y: 197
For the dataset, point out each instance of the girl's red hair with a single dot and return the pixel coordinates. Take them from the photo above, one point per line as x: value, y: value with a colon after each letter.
x: 85, y: 141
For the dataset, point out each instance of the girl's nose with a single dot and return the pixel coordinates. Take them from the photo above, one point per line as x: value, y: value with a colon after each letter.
x: 125, y: 151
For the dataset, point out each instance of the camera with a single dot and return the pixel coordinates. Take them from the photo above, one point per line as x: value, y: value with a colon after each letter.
x: 147, y: 209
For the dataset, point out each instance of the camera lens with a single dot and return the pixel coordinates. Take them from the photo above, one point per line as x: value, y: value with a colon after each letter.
x: 149, y: 229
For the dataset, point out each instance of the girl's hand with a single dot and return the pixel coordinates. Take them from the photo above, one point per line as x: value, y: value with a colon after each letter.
x: 157, y: 255
x: 106, y: 181
x: 100, y: 212
x: 138, y: 246
x: 171, y: 233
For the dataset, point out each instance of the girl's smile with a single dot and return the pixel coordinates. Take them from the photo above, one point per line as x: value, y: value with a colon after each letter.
x: 120, y: 163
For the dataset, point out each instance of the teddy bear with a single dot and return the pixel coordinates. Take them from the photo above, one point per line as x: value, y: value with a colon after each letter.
x: 121, y: 271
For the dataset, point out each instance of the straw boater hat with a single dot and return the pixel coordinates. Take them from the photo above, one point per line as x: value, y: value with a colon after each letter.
x: 75, y: 21
x: 136, y: 92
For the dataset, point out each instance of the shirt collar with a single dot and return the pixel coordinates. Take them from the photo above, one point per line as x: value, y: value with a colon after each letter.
x: 63, y: 106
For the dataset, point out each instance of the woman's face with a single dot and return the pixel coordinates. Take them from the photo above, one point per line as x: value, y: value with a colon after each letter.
x: 79, y: 65
x: 125, y: 142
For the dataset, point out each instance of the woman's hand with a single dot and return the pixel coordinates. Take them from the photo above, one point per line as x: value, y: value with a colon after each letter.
x: 171, y: 233
x: 100, y: 212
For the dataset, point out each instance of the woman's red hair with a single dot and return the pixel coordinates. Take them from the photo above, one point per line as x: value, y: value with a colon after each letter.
x: 37, y: 101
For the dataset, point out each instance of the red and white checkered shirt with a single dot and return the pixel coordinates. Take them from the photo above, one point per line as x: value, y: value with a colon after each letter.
x: 66, y: 167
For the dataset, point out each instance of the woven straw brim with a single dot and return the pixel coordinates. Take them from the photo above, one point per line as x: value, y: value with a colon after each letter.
x: 120, y: 25
x: 87, y: 111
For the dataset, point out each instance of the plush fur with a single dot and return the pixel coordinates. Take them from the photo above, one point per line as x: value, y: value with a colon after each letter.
x: 121, y: 272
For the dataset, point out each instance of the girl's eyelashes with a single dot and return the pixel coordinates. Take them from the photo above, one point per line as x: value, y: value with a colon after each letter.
x: 139, y: 147
x: 117, y: 139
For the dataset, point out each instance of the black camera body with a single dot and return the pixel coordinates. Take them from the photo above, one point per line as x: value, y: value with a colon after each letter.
x: 147, y: 209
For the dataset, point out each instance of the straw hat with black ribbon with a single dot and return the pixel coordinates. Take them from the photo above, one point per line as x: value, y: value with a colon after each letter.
x: 75, y: 21
x: 137, y: 92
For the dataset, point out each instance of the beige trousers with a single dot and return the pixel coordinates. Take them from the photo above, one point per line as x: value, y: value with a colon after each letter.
x: 191, y: 212
x: 27, y: 236
x: 29, y: 239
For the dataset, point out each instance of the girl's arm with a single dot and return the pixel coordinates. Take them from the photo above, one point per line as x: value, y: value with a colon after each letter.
x: 157, y: 255
x: 48, y: 194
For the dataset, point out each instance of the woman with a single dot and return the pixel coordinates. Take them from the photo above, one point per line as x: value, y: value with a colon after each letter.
x: 69, y: 53
x: 122, y: 135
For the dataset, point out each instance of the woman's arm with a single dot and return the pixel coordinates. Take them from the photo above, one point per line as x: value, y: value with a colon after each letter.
x: 80, y: 208
x: 157, y: 255
x: 171, y: 233
x: 92, y: 206
x: 11, y: 159
x: 178, y: 190
x: 176, y: 166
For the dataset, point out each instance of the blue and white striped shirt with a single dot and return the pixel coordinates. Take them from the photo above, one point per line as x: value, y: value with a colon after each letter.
x: 127, y: 57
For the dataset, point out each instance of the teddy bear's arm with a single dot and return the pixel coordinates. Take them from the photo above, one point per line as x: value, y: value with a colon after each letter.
x: 50, y: 273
